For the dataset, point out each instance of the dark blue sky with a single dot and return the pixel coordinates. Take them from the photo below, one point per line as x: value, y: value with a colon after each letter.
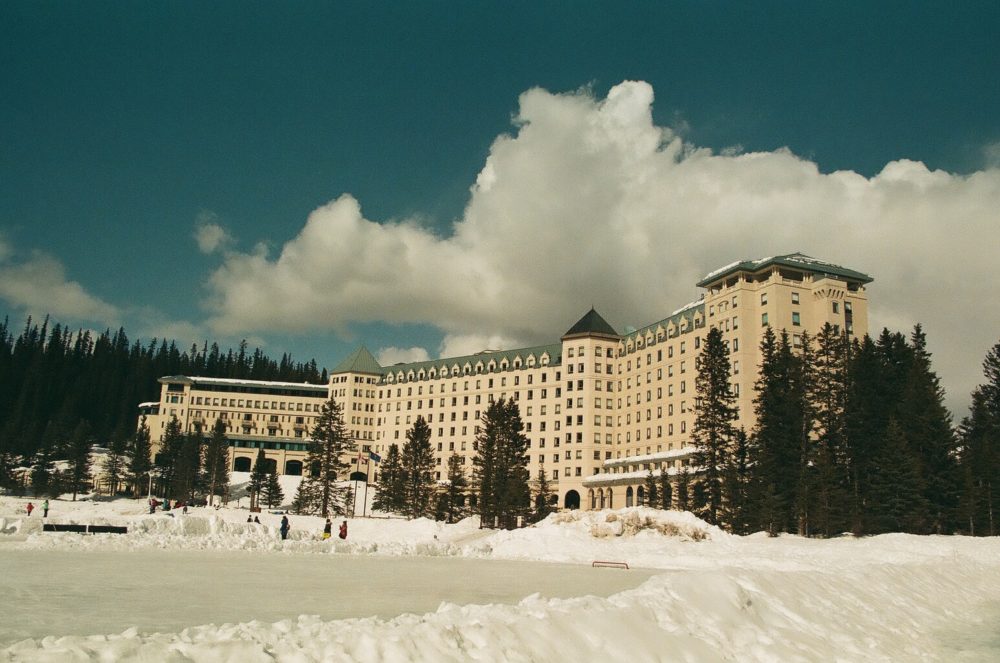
x: 121, y: 122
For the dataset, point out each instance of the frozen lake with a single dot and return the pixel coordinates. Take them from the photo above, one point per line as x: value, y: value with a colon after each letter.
x: 52, y: 592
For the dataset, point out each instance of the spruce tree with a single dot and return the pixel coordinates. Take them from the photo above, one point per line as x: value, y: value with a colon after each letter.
x: 715, y: 411
x: 391, y: 483
x: 980, y: 453
x: 217, y: 462
x: 258, y: 477
x: 454, y: 494
x: 170, y: 452
x: 683, y: 489
x: 666, y: 490
x: 114, y: 463
x: 501, y: 465
x: 543, y: 496
x: 80, y: 446
x: 140, y: 463
x: 896, y: 501
x: 271, y: 493
x: 736, y: 484
x: 829, y: 488
x: 650, y: 497
x: 329, y: 447
x: 418, y: 463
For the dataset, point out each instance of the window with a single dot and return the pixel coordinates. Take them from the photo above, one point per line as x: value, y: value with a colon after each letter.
x: 763, y: 299
x: 763, y: 319
x: 795, y: 298
x: 836, y: 307
x: 796, y: 320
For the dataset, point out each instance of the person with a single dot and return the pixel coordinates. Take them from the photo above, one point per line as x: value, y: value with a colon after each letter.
x: 256, y: 520
x: 343, y: 530
x: 185, y: 509
x: 326, y: 529
x: 45, y: 509
x: 30, y: 508
x: 284, y: 527
x: 249, y: 519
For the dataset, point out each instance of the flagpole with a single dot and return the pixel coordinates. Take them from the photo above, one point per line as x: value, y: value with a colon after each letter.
x: 357, y: 468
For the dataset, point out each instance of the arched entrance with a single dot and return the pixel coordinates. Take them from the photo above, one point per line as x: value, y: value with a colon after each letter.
x: 241, y: 464
x: 628, y: 496
x: 640, y: 495
x: 358, y: 476
x: 293, y: 468
x: 572, y: 500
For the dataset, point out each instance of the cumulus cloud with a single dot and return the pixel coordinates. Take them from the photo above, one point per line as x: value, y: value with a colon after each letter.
x: 389, y: 356
x: 38, y: 285
x: 588, y: 202
x: 209, y: 234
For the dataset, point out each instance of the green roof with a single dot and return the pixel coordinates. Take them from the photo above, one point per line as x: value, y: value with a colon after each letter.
x: 793, y: 260
x: 359, y: 361
x: 591, y: 324
x: 687, y: 312
x: 554, y: 350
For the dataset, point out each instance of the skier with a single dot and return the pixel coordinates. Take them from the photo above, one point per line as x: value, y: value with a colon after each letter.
x: 284, y: 527
x: 343, y: 530
x: 45, y: 509
x: 30, y: 508
x: 326, y: 529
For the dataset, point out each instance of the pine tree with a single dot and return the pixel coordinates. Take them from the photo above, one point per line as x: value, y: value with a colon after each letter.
x: 715, y: 411
x: 543, y: 496
x: 139, y: 459
x: 391, y: 483
x: 501, y: 465
x: 417, y: 464
x: 170, y: 452
x: 80, y: 446
x: 897, y: 504
x: 308, y: 499
x: 980, y: 453
x: 217, y: 461
x: 258, y: 477
x: 271, y: 493
x: 736, y: 484
x: 329, y: 447
x: 683, y: 489
x: 187, y: 466
x: 829, y: 398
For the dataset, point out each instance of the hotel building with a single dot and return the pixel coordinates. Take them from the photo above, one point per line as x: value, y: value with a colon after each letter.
x: 600, y: 408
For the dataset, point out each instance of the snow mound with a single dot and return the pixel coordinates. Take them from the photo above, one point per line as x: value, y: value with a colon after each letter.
x: 635, y: 520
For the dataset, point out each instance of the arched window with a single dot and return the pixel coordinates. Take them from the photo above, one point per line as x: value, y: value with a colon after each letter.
x: 628, y: 496
x: 293, y: 468
x: 572, y: 500
x: 241, y: 464
x: 640, y: 495
x: 611, y: 498
x: 270, y: 466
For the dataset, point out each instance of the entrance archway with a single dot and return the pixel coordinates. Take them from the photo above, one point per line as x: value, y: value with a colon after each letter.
x: 293, y: 468
x: 241, y: 464
x: 572, y: 500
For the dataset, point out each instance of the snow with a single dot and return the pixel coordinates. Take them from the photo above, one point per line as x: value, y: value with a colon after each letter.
x: 707, y: 596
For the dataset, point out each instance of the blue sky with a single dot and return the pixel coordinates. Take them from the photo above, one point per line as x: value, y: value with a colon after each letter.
x: 125, y: 127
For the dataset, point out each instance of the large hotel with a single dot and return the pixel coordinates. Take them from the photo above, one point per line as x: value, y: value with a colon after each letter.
x: 600, y: 408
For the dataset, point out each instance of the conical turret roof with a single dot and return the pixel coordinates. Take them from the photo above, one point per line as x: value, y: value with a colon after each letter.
x: 359, y: 361
x: 592, y: 324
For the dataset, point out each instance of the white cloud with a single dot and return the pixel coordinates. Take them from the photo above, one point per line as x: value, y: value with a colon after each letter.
x: 391, y: 355
x: 209, y: 234
x: 590, y: 203
x: 38, y: 286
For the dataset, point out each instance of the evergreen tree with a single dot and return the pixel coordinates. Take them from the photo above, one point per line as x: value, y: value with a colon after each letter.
x: 115, y: 462
x: 897, y: 504
x: 417, y: 464
x: 80, y: 446
x: 926, y: 425
x: 329, y: 447
x: 651, y: 497
x: 543, y: 496
x: 736, y: 484
x: 391, y: 483
x: 271, y: 493
x: 666, y: 490
x: 258, y: 477
x: 715, y: 411
x: 829, y: 487
x: 187, y: 467
x: 980, y: 453
x: 454, y: 495
x: 501, y: 465
x: 139, y: 464
x: 43, y: 470
x: 217, y: 461
x: 683, y: 489
x: 308, y: 498
x: 170, y: 451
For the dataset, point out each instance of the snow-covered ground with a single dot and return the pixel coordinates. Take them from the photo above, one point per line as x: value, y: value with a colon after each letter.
x: 712, y: 597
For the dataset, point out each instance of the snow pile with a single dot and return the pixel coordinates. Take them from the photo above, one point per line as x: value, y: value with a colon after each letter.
x: 630, y: 522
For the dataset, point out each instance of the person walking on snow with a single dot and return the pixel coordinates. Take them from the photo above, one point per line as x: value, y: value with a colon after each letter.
x: 326, y: 529
x: 284, y: 527
x: 343, y: 530
x: 45, y: 509
x: 29, y: 508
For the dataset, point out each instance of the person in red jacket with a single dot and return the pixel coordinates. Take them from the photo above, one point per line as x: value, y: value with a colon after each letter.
x: 31, y: 507
x: 343, y: 530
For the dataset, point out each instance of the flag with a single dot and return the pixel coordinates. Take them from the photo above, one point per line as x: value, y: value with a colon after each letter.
x: 375, y: 457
